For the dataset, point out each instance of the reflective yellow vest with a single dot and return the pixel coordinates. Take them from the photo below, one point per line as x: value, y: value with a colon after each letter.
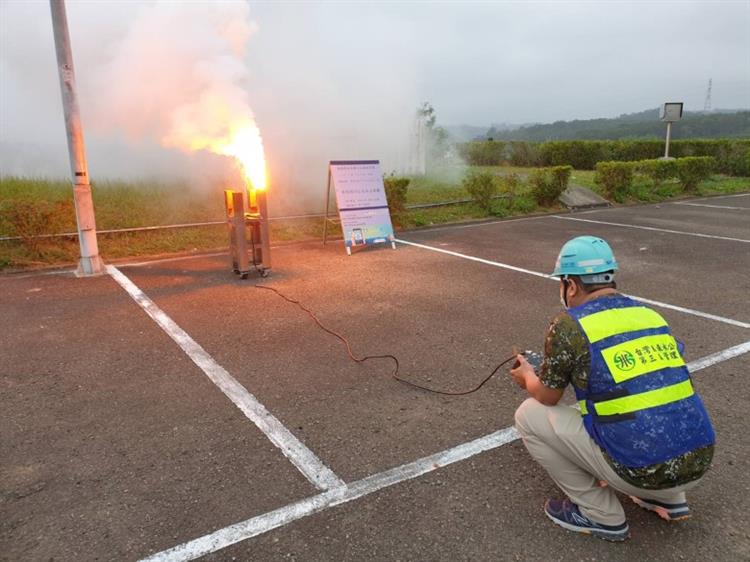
x: 640, y: 405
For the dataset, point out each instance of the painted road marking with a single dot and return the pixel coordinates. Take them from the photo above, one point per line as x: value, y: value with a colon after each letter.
x: 682, y: 232
x: 712, y: 206
x: 285, y: 515
x: 255, y: 526
x: 303, y: 458
x: 718, y: 357
x: 476, y: 259
x: 706, y: 315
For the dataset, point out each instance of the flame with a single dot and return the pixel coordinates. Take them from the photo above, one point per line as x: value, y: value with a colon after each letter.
x: 241, y: 140
x: 246, y: 145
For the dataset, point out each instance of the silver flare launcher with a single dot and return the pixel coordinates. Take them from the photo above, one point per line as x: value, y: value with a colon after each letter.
x: 253, y: 251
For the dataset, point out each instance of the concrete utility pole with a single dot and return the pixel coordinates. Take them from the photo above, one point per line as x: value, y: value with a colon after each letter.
x: 90, y: 262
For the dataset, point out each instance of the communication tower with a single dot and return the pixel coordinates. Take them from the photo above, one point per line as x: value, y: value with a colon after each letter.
x: 707, y: 105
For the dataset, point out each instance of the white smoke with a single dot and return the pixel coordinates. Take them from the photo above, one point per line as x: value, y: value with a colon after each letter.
x: 178, y: 76
x: 155, y: 76
x: 186, y: 71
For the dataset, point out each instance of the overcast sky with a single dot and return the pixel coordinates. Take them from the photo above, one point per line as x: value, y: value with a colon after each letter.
x: 318, y: 69
x: 529, y: 61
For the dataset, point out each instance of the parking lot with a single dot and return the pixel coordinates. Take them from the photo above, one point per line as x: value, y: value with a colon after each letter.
x: 171, y: 410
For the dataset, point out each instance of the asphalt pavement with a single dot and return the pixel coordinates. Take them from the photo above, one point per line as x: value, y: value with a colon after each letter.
x: 141, y: 423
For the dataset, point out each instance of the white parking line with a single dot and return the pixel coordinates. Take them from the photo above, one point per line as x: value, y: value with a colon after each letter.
x: 711, y: 206
x: 706, y: 315
x: 476, y: 259
x: 718, y: 357
x: 255, y: 526
x: 303, y: 458
x: 284, y: 515
x: 653, y: 229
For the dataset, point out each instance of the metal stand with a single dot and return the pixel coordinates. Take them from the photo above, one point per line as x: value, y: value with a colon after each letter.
x: 238, y: 222
x: 669, y: 138
x: 263, y: 263
x: 326, y: 218
x: 670, y: 112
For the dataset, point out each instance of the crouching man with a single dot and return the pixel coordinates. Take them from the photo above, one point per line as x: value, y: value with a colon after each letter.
x: 641, y: 430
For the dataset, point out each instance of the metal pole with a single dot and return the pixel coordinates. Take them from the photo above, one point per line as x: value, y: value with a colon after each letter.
x: 669, y: 136
x: 90, y: 262
x: 265, y: 241
x: 328, y: 201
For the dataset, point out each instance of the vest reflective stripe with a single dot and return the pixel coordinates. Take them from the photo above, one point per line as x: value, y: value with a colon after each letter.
x: 640, y: 356
x: 642, y: 401
x: 606, y: 323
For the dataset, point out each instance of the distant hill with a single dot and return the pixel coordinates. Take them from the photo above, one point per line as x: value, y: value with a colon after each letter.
x: 463, y: 133
x: 641, y: 125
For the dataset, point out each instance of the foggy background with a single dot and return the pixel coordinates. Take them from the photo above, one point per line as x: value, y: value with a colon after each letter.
x: 331, y: 80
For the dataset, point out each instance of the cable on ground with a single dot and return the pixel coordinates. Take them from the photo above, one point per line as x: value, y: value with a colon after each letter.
x: 395, y: 372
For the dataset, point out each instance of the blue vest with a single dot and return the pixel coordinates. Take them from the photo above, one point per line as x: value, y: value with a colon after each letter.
x: 639, y: 405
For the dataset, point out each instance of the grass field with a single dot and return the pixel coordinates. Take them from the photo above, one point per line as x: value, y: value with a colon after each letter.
x: 30, y: 207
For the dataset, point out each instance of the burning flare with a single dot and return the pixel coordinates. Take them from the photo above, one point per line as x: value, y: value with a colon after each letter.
x: 212, y: 127
x: 246, y: 145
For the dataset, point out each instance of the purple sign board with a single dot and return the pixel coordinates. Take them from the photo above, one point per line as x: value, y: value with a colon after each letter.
x: 360, y: 196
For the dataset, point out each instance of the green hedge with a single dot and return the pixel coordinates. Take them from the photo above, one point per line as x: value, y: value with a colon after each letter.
x: 658, y: 171
x: 694, y: 169
x: 482, y: 188
x: 395, y: 192
x: 732, y: 155
x: 547, y: 184
x: 523, y: 154
x: 484, y: 153
x: 582, y: 155
x: 616, y: 178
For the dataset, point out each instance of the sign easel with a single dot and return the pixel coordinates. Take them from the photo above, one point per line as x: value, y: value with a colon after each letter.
x: 362, y: 206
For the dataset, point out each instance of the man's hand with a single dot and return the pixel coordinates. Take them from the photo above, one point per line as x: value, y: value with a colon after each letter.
x: 526, y: 378
x: 521, y: 372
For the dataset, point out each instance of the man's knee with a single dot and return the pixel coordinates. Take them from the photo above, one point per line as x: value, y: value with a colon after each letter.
x: 526, y: 412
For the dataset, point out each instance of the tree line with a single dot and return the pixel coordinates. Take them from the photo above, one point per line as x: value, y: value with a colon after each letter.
x: 644, y: 125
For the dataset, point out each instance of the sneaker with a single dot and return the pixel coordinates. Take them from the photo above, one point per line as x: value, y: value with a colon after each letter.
x: 667, y: 511
x: 566, y: 514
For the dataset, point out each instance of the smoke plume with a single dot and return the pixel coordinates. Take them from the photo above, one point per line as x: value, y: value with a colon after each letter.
x: 178, y: 77
x: 164, y: 85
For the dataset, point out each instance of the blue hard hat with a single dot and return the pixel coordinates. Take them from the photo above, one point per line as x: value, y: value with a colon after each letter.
x: 584, y: 255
